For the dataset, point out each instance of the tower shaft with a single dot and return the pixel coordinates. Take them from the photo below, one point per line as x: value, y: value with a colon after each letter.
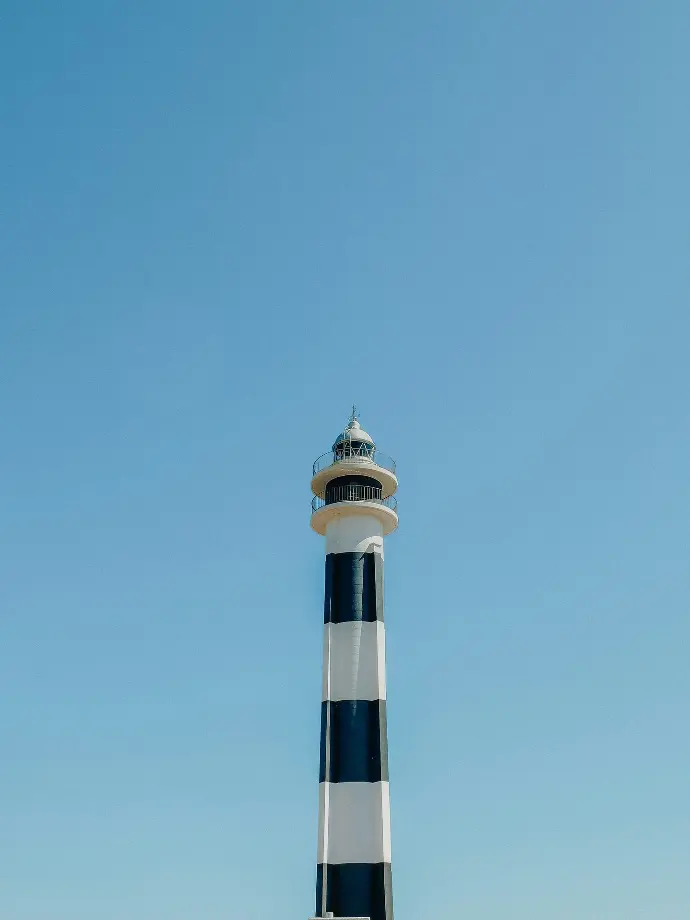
x: 354, y: 858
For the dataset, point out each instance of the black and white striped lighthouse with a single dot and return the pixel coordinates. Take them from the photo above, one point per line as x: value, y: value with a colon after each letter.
x: 354, y: 508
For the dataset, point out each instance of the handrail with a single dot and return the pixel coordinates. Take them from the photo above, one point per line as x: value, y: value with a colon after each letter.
x: 352, y: 493
x: 361, y: 454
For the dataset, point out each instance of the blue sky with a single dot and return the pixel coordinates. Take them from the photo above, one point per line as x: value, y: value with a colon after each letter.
x: 221, y: 225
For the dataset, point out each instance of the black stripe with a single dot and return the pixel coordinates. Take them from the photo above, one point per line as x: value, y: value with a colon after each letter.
x: 354, y: 587
x: 353, y: 732
x: 356, y: 890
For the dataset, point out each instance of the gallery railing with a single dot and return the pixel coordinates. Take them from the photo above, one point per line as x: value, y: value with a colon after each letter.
x: 362, y: 453
x: 353, y: 493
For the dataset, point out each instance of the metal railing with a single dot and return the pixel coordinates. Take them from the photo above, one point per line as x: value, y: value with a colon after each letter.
x: 360, y: 454
x: 353, y: 493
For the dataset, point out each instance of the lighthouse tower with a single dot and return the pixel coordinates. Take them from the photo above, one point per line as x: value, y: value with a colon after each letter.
x: 354, y: 508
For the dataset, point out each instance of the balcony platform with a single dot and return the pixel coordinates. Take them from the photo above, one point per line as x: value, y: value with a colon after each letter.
x: 383, y: 510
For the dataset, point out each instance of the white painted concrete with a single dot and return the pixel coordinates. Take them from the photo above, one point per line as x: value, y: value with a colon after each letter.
x: 354, y: 823
x: 354, y: 533
x: 325, y: 515
x: 354, y: 661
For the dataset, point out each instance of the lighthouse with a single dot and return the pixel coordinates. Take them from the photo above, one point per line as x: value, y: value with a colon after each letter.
x: 354, y: 508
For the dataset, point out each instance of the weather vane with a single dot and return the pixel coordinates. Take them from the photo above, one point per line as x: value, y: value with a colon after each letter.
x: 355, y: 414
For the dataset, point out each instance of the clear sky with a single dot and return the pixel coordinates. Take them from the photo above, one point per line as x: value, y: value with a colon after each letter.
x: 222, y: 223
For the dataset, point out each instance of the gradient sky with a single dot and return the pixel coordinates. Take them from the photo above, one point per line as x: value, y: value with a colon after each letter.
x: 221, y: 224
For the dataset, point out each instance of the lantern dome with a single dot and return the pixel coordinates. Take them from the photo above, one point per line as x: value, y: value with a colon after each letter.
x: 353, y: 432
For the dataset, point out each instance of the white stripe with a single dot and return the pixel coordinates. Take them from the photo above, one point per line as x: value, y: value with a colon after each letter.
x: 357, y: 829
x: 354, y: 533
x: 354, y: 661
